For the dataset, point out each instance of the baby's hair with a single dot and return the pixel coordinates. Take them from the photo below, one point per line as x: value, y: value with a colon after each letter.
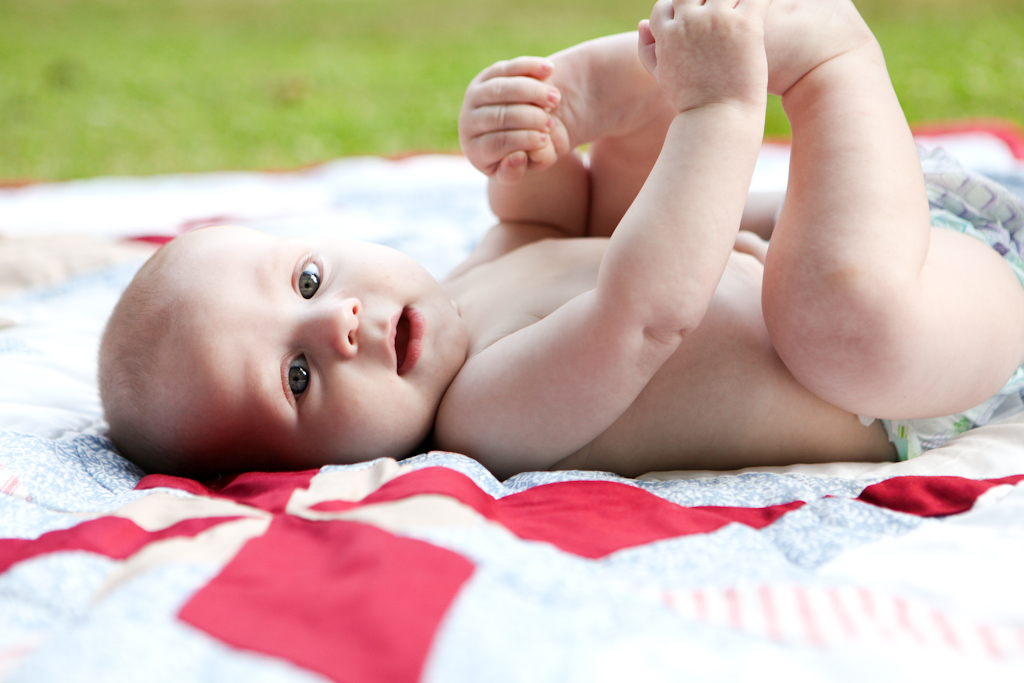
x: 130, y: 349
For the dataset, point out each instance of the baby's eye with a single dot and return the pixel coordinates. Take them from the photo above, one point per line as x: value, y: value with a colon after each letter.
x: 298, y: 375
x: 309, y: 281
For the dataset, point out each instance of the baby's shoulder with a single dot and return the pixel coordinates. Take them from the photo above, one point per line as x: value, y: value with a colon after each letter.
x: 500, y: 240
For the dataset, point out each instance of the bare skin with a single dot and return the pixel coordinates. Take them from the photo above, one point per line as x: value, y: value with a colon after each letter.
x: 724, y: 400
x: 748, y: 384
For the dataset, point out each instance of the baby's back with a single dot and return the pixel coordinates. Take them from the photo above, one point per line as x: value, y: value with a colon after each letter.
x: 724, y: 400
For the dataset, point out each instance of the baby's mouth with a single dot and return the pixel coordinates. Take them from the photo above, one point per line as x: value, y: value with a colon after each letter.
x: 409, y: 332
x: 402, y: 338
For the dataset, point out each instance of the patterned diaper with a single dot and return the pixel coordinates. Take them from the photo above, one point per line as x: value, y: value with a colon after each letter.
x: 970, y: 203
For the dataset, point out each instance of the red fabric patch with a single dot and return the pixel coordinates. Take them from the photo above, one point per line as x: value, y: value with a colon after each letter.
x: 154, y: 481
x: 268, y: 491
x: 115, y: 537
x: 596, y: 518
x: 348, y: 600
x: 1007, y: 131
x: 152, y: 239
x: 930, y: 496
x: 587, y: 518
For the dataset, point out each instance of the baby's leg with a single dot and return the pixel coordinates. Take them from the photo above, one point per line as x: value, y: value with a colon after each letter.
x: 612, y: 103
x: 619, y: 166
x: 867, y: 306
x: 624, y: 115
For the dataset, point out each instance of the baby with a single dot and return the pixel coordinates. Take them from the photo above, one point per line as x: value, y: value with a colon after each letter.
x: 616, y: 318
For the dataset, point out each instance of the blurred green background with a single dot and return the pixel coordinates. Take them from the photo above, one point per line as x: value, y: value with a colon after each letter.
x: 93, y: 87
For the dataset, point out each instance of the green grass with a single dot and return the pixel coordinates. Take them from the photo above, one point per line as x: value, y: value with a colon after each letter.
x: 91, y: 87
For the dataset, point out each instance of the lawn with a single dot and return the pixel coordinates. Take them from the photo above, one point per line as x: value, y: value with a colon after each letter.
x: 91, y: 87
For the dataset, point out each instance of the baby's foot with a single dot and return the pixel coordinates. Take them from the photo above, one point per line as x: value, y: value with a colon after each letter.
x: 606, y: 91
x: 527, y: 113
x: 507, y: 125
x: 799, y: 35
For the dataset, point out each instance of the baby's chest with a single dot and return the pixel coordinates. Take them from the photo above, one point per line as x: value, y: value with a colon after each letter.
x: 499, y: 298
x: 526, y: 285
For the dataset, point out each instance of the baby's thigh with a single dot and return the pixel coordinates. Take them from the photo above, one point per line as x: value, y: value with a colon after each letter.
x: 971, y: 324
x: 936, y: 342
x: 725, y: 400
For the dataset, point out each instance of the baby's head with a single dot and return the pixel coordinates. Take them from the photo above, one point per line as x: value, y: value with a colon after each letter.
x: 235, y: 350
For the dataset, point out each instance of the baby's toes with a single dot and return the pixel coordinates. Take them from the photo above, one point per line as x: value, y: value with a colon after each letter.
x: 500, y: 144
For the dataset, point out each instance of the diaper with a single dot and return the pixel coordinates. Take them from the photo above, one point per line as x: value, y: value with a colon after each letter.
x: 970, y: 203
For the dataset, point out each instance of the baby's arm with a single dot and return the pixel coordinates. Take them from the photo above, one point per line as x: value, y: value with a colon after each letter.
x: 673, y: 243
x: 550, y: 388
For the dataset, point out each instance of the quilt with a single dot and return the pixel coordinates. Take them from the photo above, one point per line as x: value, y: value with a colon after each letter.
x: 429, y: 568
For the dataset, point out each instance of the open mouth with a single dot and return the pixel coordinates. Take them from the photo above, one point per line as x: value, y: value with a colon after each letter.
x: 408, y: 339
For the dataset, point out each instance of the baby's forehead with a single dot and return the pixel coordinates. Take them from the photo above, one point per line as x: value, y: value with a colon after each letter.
x: 186, y: 273
x: 219, y: 242
x: 189, y: 264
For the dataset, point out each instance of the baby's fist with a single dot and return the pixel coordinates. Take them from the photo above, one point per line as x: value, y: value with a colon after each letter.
x: 706, y: 51
x: 507, y: 125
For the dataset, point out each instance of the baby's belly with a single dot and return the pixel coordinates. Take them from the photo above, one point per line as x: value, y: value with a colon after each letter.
x: 725, y: 401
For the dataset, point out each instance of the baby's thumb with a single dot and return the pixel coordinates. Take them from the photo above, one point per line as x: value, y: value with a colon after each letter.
x: 512, y: 168
x: 542, y: 158
x: 648, y: 56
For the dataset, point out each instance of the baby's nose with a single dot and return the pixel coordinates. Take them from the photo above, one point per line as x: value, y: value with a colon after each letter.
x: 339, y: 325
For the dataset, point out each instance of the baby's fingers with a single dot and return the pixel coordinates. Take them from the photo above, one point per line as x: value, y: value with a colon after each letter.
x: 512, y: 168
x: 514, y: 90
x: 493, y: 147
x: 534, y: 67
x: 505, y: 117
x: 542, y: 158
x: 486, y: 152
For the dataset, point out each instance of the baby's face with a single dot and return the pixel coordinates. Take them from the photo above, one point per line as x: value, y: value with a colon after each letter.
x: 312, y: 352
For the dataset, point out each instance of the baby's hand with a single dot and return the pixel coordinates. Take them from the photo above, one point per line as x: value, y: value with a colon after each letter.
x: 507, y: 124
x: 707, y: 51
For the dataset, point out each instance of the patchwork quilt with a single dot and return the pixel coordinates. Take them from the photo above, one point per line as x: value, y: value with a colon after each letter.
x: 430, y: 569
